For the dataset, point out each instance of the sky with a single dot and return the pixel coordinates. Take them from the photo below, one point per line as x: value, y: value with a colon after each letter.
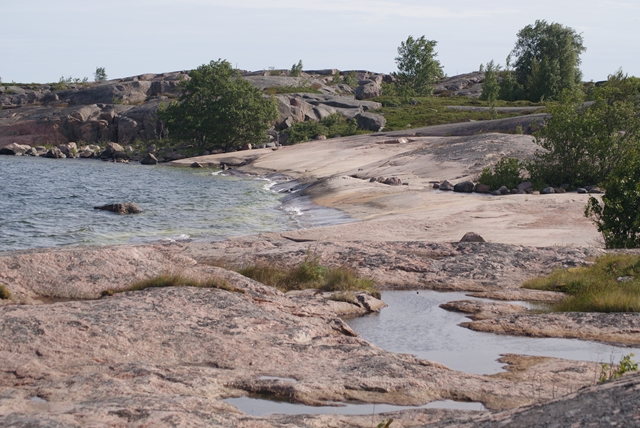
x: 42, y: 40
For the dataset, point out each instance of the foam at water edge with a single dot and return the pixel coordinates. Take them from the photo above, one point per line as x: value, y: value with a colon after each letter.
x: 181, y: 237
x: 294, y: 211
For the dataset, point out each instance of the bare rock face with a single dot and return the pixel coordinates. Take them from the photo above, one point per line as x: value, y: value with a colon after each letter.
x: 617, y: 328
x: 126, y: 208
x: 161, y: 353
x: 613, y: 403
x: 479, y: 310
x: 369, y: 90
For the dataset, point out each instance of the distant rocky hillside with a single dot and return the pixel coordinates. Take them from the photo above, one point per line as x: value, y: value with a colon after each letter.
x: 124, y: 110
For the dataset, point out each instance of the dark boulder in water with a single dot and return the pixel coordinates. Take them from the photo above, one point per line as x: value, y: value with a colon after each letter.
x: 126, y: 208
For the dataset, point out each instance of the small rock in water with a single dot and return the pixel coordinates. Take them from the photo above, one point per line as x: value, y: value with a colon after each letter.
x: 126, y: 208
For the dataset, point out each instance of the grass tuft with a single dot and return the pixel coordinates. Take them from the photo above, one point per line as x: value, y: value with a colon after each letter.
x: 5, y: 294
x: 310, y: 274
x: 176, y: 280
x: 611, y: 284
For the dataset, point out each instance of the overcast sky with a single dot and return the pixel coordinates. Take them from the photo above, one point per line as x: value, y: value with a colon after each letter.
x: 42, y: 40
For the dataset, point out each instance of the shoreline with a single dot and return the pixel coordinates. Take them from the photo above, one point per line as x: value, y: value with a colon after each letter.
x: 183, y: 348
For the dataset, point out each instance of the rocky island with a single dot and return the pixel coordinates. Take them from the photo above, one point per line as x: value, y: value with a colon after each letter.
x: 77, y: 352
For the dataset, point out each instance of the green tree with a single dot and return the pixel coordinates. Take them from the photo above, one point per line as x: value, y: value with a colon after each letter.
x: 296, y: 69
x: 100, y: 75
x: 418, y: 69
x: 584, y: 143
x: 547, y: 60
x: 491, y: 86
x: 218, y: 109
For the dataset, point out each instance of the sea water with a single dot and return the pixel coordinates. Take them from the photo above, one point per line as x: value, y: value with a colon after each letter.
x: 50, y: 203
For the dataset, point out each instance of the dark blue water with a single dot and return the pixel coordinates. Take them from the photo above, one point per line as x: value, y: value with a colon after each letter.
x: 49, y: 202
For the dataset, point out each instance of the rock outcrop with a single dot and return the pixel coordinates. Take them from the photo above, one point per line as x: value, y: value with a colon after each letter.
x: 126, y: 208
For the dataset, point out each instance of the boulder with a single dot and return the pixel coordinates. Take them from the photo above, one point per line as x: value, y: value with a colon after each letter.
x: 55, y: 153
x: 126, y: 208
x: 481, y: 188
x: 522, y: 187
x: 472, y: 237
x: 548, y: 190
x: 436, y: 185
x: 14, y: 149
x: 113, y: 151
x: 196, y: 165
x: 368, y: 90
x: 559, y: 190
x: 87, y: 153
x: 446, y: 185
x: 464, y: 187
x: 581, y: 190
x: 504, y: 190
x: 32, y: 152
x: 393, y: 181
x: 70, y: 149
x: 371, y: 121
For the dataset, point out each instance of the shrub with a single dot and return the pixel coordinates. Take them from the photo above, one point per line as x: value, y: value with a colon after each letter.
x: 331, y: 126
x: 617, y: 215
x: 351, y: 79
x: 296, y: 69
x: 507, y: 172
x: 611, y: 284
x: 585, y: 144
x: 100, y: 75
x: 626, y: 365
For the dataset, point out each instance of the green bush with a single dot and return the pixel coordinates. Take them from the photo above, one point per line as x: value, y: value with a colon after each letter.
x: 610, y: 372
x: 507, y: 172
x: 617, y: 216
x: 331, y: 126
x: 584, y: 144
x: 296, y: 69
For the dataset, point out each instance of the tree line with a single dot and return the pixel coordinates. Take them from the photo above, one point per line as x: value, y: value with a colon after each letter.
x: 591, y: 137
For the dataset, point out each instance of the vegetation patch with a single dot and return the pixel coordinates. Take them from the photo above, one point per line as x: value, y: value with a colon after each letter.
x: 611, y: 372
x: 274, y: 90
x: 334, y: 125
x: 5, y: 294
x: 428, y: 111
x: 175, y: 280
x: 311, y: 274
x: 611, y: 284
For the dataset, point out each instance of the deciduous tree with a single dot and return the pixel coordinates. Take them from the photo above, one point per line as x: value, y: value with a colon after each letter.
x: 547, y: 60
x: 218, y: 109
x: 418, y: 69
